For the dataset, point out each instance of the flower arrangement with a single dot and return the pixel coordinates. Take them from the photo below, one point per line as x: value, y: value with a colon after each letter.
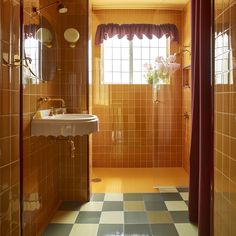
x: 162, y: 70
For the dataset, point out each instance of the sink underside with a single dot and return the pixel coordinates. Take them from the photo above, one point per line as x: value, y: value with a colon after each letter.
x: 64, y: 125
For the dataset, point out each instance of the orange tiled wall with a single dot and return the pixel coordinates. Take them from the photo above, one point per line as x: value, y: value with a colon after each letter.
x: 186, y: 59
x: 41, y: 154
x: 225, y: 120
x: 134, y: 132
x: 9, y: 119
x: 50, y: 174
x: 74, y: 89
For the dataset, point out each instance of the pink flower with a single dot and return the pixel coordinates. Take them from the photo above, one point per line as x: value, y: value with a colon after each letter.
x: 148, y: 67
x: 159, y: 59
x: 171, y: 58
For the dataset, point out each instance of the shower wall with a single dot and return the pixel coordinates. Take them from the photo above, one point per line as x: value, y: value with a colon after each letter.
x: 135, y: 132
x: 225, y: 119
x: 9, y: 118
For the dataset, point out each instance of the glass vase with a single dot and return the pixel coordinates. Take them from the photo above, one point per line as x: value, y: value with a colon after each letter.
x: 155, y: 89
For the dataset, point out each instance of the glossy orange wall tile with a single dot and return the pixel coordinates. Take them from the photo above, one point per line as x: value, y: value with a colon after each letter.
x: 9, y: 119
x: 225, y: 119
x: 50, y: 174
x: 74, y: 89
x: 40, y: 154
x: 135, y: 132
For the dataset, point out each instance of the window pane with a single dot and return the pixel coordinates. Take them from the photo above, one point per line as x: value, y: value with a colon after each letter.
x: 116, y: 65
x: 137, y: 53
x: 116, y: 42
x: 136, y: 42
x: 116, y: 78
x: 107, y: 77
x: 107, y: 53
x: 162, y: 42
x: 145, y: 53
x: 154, y: 53
x: 162, y: 52
x: 125, y: 53
x: 107, y: 43
x: 137, y: 65
x: 122, y: 55
x: 145, y: 42
x: 125, y: 42
x: 125, y: 78
x: 154, y: 42
x: 137, y: 78
x: 125, y: 66
x: 116, y: 53
x: 107, y: 65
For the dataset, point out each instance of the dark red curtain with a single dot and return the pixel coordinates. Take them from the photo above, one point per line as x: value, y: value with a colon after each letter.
x: 105, y: 31
x: 201, y: 141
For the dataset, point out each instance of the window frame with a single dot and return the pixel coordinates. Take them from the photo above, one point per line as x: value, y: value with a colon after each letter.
x: 131, y: 61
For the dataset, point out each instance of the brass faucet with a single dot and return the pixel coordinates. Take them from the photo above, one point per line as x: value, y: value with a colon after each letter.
x: 47, y: 99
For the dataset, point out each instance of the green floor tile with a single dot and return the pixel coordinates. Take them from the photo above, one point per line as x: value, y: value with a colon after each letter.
x: 152, y: 197
x: 180, y: 216
x: 98, y: 197
x: 88, y: 217
x: 133, y: 197
x: 137, y: 230
x: 158, y: 206
x: 112, y: 206
x: 136, y: 218
x: 110, y: 230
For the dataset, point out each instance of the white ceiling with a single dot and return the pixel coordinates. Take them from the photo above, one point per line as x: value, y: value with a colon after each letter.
x: 139, y: 4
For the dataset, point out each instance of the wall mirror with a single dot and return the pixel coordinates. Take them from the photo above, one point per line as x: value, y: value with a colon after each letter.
x: 40, y: 44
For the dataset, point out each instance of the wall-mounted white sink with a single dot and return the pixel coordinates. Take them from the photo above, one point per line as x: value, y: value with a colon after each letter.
x: 63, y: 124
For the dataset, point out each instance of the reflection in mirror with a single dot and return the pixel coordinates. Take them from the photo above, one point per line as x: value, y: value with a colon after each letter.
x: 44, y: 36
x: 40, y: 52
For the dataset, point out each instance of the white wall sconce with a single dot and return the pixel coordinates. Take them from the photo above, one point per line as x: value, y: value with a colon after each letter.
x: 71, y: 35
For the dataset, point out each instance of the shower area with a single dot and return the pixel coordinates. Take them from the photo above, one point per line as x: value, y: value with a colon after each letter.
x: 144, y: 133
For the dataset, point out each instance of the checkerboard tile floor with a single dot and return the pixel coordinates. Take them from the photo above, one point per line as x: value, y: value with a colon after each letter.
x: 114, y: 214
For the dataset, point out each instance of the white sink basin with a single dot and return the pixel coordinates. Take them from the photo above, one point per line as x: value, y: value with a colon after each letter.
x: 63, y: 124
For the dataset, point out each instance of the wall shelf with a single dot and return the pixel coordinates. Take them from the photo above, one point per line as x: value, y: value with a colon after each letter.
x: 186, y: 76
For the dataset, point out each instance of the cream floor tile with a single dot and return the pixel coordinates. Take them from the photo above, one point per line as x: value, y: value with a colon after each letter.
x: 84, y: 230
x: 112, y: 217
x: 184, y: 196
x: 92, y: 206
x: 113, y: 197
x: 176, y: 206
x: 65, y: 217
x: 186, y: 229
x: 134, y: 206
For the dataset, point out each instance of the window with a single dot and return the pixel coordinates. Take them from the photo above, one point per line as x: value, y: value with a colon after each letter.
x: 123, y: 60
x: 223, y: 60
